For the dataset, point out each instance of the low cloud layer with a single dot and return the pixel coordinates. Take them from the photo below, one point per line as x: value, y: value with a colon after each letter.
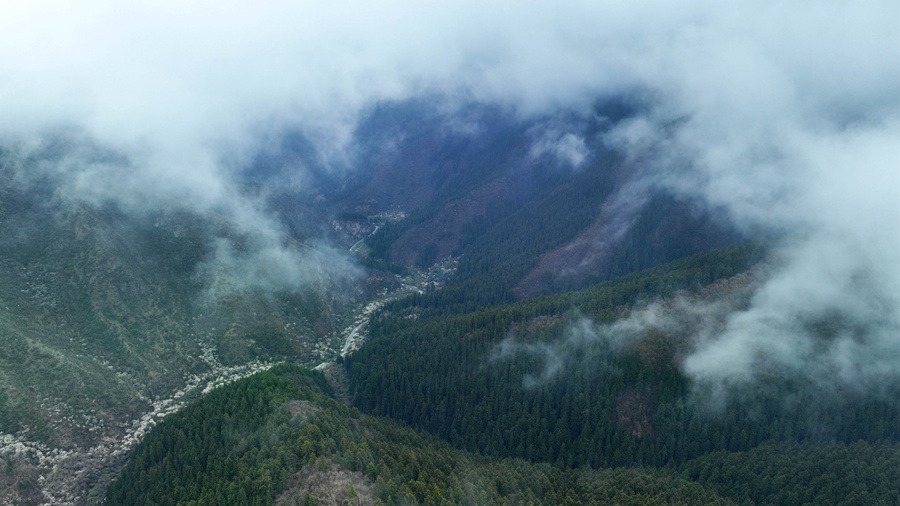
x: 274, y: 264
x: 676, y: 325
x: 566, y: 148
x: 555, y: 356
x: 783, y: 116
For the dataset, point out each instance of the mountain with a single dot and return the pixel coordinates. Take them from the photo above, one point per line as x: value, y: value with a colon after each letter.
x: 541, y: 205
x: 596, y: 377
x: 279, y: 438
x: 592, y: 251
x: 553, y: 410
x: 512, y: 290
x: 108, y: 320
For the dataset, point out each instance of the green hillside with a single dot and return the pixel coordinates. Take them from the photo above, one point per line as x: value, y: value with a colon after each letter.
x: 278, y: 438
x: 790, y: 473
x: 108, y: 320
x: 611, y: 425
x: 100, y: 315
x: 545, y: 380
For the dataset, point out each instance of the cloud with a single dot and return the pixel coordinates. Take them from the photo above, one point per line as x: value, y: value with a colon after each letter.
x: 582, y: 343
x: 553, y: 356
x: 783, y: 116
x: 273, y: 265
x: 567, y: 148
x: 790, y: 146
x: 822, y: 316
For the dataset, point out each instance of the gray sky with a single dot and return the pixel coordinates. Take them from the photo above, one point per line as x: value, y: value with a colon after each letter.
x: 789, y: 119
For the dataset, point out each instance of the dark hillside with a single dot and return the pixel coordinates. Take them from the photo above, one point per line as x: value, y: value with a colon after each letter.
x: 544, y: 380
x: 278, y: 438
x: 524, y: 212
x: 522, y: 222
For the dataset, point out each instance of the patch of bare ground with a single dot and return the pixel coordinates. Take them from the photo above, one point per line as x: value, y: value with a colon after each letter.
x: 336, y: 375
x: 328, y: 485
x: 634, y: 412
x: 34, y: 473
x: 301, y: 411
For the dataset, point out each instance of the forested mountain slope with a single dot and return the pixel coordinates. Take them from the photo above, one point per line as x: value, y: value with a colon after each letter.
x: 594, y: 377
x: 278, y: 438
x: 525, y: 337
x: 585, y: 251
x: 106, y: 317
x: 137, y: 300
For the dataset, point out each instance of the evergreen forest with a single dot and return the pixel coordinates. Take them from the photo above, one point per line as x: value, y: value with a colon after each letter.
x: 522, y: 403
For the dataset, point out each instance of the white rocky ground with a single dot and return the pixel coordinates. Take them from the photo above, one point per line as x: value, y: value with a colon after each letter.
x: 45, y: 475
x: 64, y: 477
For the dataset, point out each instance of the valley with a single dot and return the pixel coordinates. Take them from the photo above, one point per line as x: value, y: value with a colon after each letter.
x: 465, y: 253
x: 509, y: 313
x: 67, y: 448
x: 78, y: 474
